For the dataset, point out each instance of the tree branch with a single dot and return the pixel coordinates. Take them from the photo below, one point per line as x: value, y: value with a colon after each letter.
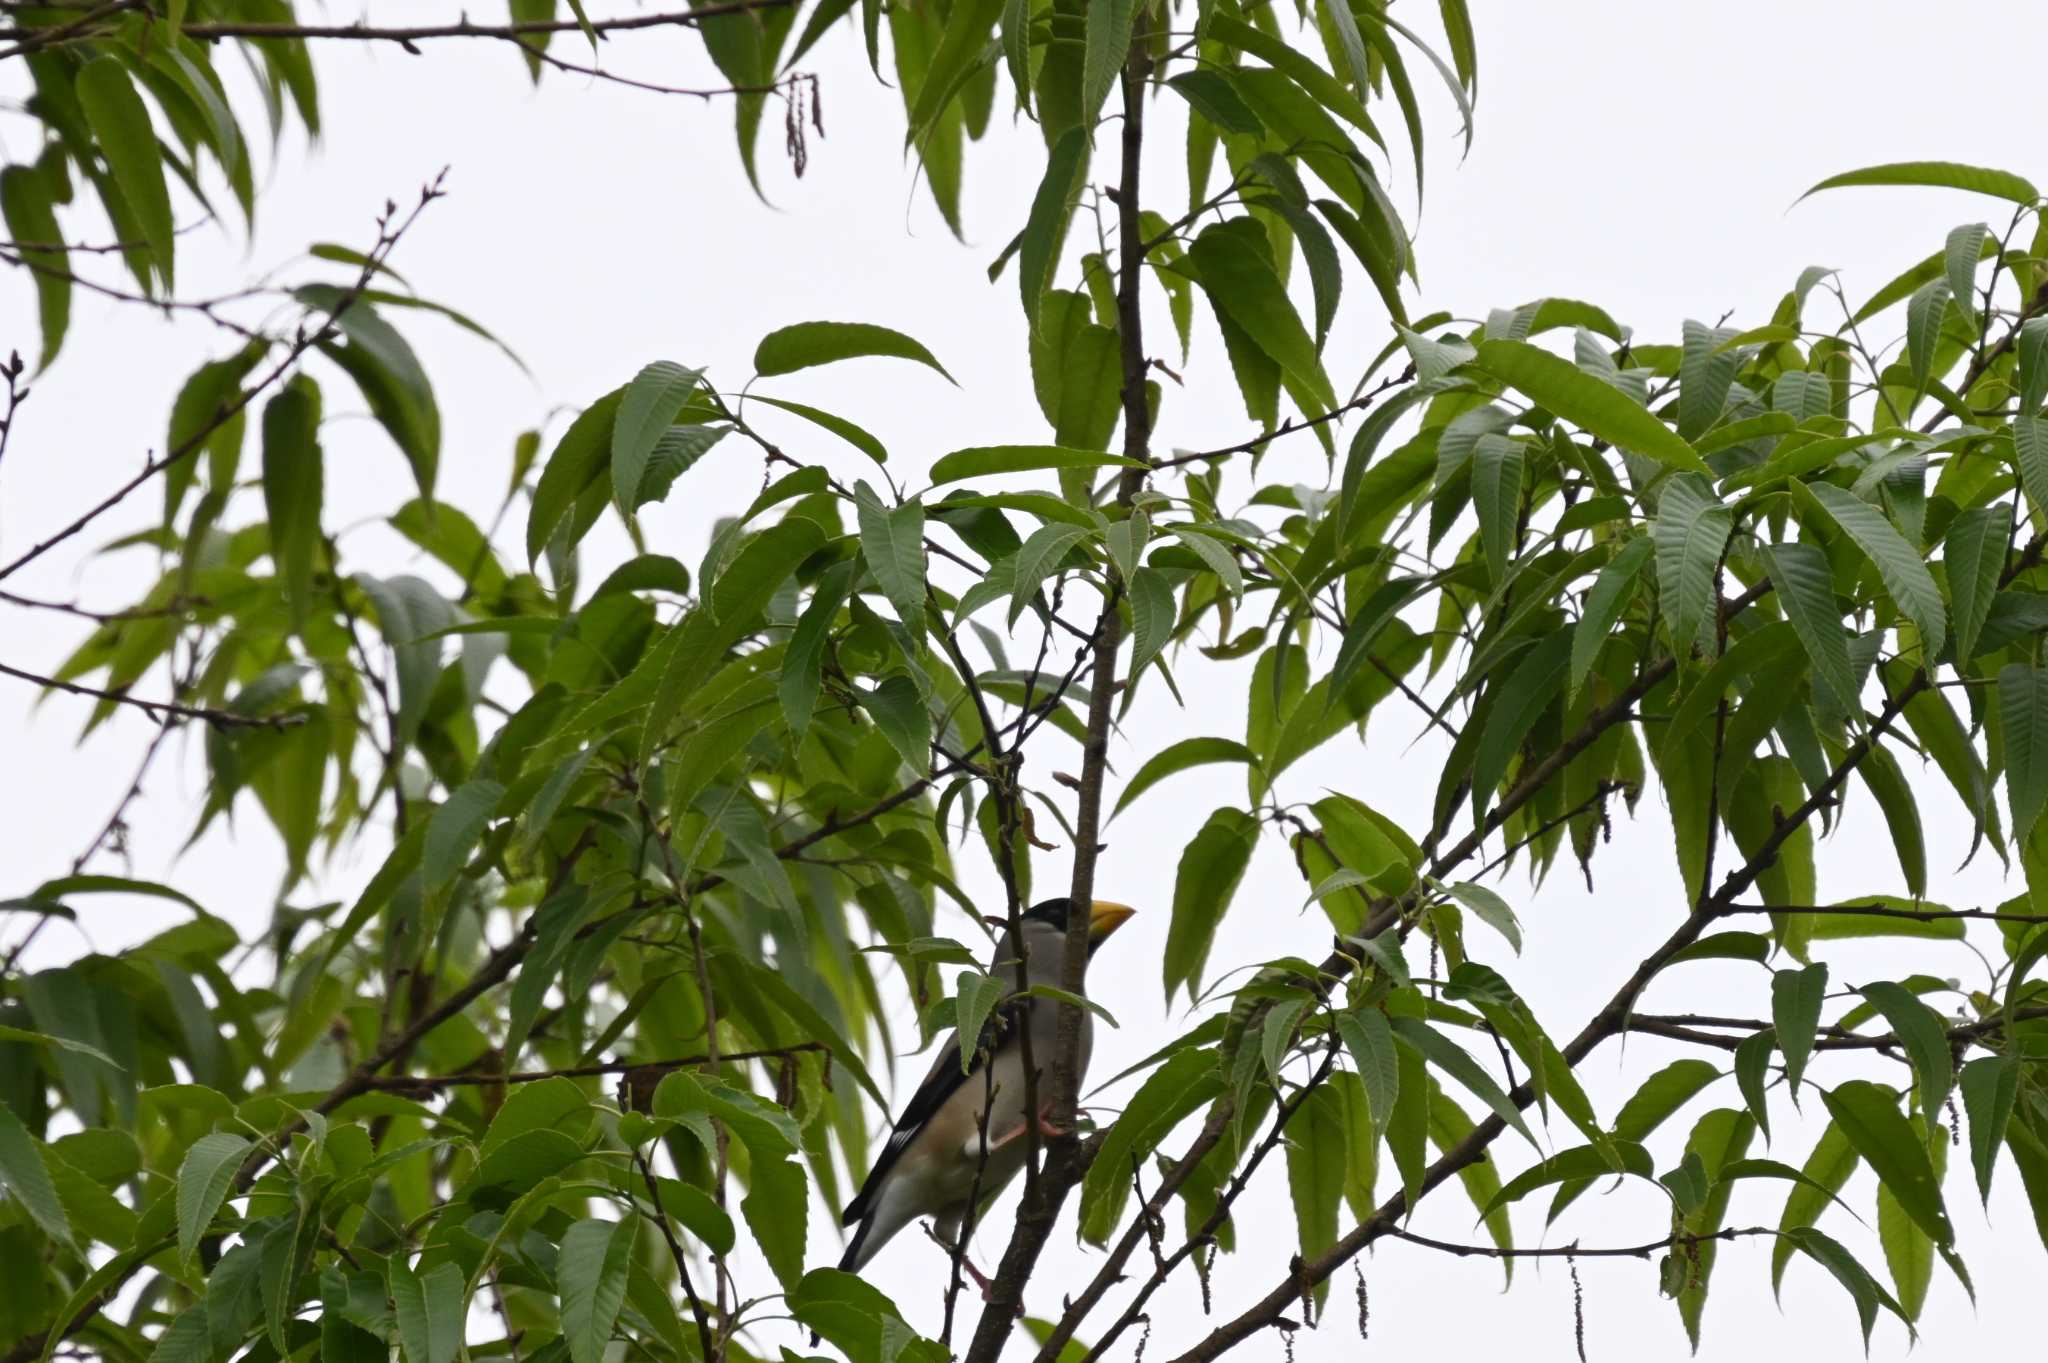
x: 1069, y: 1160
x: 159, y: 709
x: 1609, y: 1021
x: 81, y: 30
x: 388, y: 237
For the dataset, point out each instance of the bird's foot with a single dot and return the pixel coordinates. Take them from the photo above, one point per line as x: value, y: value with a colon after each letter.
x: 1046, y: 1128
x: 981, y: 1280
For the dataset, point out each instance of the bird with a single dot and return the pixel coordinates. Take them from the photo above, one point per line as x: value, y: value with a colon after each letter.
x: 933, y: 1163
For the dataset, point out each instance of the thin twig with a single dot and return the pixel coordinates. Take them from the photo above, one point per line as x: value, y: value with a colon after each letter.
x: 157, y: 709
x: 33, y: 39
x: 406, y: 1083
x: 1576, y: 1251
x: 388, y: 237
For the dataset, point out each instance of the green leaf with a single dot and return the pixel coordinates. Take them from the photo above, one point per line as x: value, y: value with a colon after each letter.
x: 1213, y: 98
x: 429, y: 1309
x: 1796, y: 997
x: 1705, y: 372
x: 1318, y: 1146
x: 1806, y: 587
x: 1838, y: 1261
x: 591, y: 1272
x: 649, y: 406
x: 1568, y: 1166
x: 1826, y: 1169
x: 1691, y: 532
x: 2033, y: 364
x: 26, y: 206
x: 1907, y: 1250
x: 892, y: 542
x: 292, y: 487
x: 120, y: 124
x: 1210, y: 869
x: 984, y: 460
x: 205, y: 1177
x: 1880, y: 772
x: 1990, y: 1086
x: 1936, y: 174
x: 1370, y: 1039
x: 1925, y: 1041
x: 1351, y: 43
x: 1974, y: 555
x: 1152, y: 617
x: 1605, y: 601
x: 2030, y: 445
x: 732, y: 609
x: 454, y: 829
x: 1520, y: 701
x: 1448, y: 1056
x: 802, y: 664
x: 814, y: 343
x: 341, y: 1339
x: 1243, y: 287
x: 1039, y: 558
x: 1959, y: 259
x: 1188, y: 1079
x: 975, y: 996
x: 1586, y: 402
x: 1179, y: 757
x: 1904, y: 571
x: 2023, y: 710
x: 1868, y: 1115
x: 1926, y: 311
x: 579, y: 458
x: 853, y: 435
x: 26, y: 1176
x: 1107, y: 38
x: 388, y: 374
x: 1045, y: 229
x: 1218, y: 559
x: 1752, y: 1068
x: 1497, y: 496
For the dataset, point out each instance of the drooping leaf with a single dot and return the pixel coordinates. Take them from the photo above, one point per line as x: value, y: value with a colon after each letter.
x: 1586, y: 402
x: 120, y: 124
x: 1936, y: 174
x: 650, y: 403
x: 1901, y: 567
x: 1805, y: 586
x: 204, y: 1178
x: 1691, y: 532
x: 1796, y: 998
x: 1210, y: 869
x: 805, y: 344
x: 1179, y: 757
x: 2023, y: 707
x: 1605, y: 601
x: 1924, y: 1041
x: 1868, y: 1115
x: 1448, y: 1056
x: 429, y: 1310
x: 1244, y: 288
x: 1990, y: 1086
x: 26, y: 206
x: 983, y: 460
x: 591, y: 1272
x: 26, y: 1177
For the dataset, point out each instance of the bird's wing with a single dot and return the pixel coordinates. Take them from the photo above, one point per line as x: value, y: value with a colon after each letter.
x: 941, y: 1082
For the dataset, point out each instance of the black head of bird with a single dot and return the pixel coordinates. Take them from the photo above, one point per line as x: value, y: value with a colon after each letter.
x: 962, y: 1136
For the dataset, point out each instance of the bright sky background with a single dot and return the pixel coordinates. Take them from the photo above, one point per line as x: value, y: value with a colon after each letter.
x: 1642, y: 157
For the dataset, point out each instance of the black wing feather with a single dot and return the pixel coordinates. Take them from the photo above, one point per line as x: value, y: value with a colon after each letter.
x: 942, y: 1083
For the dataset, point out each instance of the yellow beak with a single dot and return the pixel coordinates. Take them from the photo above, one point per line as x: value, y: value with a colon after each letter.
x: 1105, y: 918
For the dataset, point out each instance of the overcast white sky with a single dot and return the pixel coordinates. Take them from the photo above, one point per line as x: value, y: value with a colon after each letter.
x: 1641, y: 157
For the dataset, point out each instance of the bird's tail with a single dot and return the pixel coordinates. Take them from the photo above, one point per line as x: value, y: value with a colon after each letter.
x: 856, y: 1248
